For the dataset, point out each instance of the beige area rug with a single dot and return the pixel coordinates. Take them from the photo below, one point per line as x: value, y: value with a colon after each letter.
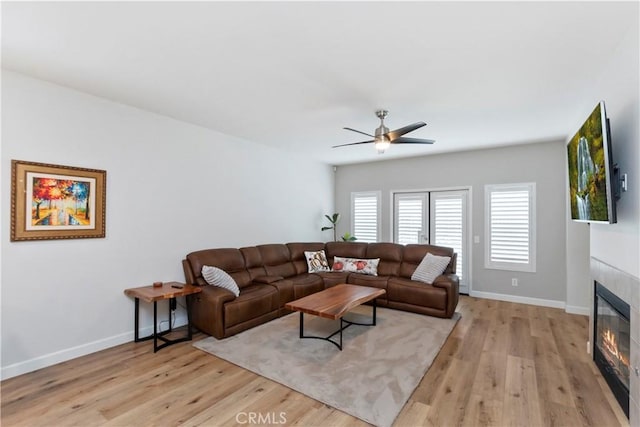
x: 371, y: 378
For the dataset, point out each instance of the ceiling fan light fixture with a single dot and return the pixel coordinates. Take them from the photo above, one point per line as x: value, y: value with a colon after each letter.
x: 382, y: 138
x: 382, y: 143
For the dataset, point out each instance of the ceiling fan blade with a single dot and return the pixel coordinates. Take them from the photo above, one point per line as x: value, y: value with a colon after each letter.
x: 409, y: 128
x: 405, y: 140
x: 353, y: 143
x: 358, y: 131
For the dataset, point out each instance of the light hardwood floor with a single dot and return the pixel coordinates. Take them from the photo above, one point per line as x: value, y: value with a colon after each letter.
x: 504, y: 364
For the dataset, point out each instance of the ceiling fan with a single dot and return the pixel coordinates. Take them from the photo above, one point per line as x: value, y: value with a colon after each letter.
x: 383, y: 138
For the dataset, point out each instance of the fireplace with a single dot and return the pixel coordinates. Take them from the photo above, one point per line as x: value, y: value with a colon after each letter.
x: 612, y: 342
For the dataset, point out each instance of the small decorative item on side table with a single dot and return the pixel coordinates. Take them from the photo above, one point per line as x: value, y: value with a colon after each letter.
x: 154, y: 293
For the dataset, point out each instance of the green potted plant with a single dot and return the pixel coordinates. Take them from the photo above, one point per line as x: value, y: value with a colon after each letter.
x: 347, y: 237
x: 333, y: 219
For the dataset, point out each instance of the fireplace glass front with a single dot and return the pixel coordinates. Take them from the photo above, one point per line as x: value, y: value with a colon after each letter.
x: 612, y: 342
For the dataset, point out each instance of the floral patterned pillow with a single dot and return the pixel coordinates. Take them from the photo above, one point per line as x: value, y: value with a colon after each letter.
x: 355, y: 265
x: 316, y: 261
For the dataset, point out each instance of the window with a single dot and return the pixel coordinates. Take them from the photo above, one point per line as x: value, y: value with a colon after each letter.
x: 510, y: 227
x: 365, y: 216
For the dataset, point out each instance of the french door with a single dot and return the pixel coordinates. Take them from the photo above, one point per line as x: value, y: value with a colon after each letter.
x: 437, y: 218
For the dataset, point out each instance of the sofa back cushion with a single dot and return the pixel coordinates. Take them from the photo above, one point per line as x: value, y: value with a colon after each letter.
x: 253, y: 261
x: 227, y: 259
x: 345, y: 249
x: 390, y: 255
x: 277, y: 260
x: 297, y: 250
x: 413, y: 255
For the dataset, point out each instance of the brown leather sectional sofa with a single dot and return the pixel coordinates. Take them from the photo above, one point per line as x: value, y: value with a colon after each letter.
x: 271, y: 275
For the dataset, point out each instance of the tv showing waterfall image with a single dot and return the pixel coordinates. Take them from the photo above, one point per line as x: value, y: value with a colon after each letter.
x: 590, y: 169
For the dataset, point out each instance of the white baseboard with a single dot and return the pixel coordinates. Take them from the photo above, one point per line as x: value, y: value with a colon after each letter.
x: 74, y: 352
x: 518, y: 299
x: 572, y: 309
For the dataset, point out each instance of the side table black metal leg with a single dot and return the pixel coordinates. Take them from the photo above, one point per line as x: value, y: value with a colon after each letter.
x: 374, y: 312
x: 172, y: 306
x: 136, y: 313
x: 301, y: 324
x: 188, y: 302
x: 155, y: 326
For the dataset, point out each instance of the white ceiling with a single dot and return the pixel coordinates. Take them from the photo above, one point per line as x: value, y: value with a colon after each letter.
x: 292, y: 74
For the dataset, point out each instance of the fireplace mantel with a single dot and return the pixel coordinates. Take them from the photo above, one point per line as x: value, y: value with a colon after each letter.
x: 627, y: 288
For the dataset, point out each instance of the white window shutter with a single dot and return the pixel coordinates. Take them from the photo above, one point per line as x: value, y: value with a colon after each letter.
x: 510, y: 226
x: 365, y: 216
x: 449, y: 225
x: 409, y: 216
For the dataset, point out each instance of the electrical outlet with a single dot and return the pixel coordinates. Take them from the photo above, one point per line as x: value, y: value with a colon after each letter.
x: 476, y: 239
x: 588, y: 347
x: 514, y: 282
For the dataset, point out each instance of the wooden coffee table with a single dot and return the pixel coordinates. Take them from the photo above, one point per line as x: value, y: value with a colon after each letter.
x: 333, y: 303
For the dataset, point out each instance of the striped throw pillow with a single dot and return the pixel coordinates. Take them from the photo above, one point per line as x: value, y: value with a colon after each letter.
x: 430, y: 267
x: 216, y: 277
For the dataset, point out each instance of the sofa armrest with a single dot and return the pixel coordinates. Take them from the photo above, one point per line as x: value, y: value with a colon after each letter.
x: 267, y: 280
x: 450, y: 283
x: 447, y: 281
x: 216, y: 295
x: 188, y: 272
x: 207, y: 311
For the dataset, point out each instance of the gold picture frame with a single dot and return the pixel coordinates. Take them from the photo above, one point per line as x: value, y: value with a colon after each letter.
x: 56, y: 202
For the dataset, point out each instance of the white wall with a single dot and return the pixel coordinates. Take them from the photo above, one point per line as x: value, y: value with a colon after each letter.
x: 578, y: 269
x: 619, y: 245
x: 172, y: 188
x: 542, y: 163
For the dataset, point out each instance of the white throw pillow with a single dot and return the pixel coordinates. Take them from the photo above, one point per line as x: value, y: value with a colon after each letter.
x: 430, y: 267
x: 356, y: 265
x: 316, y: 261
x: 216, y: 277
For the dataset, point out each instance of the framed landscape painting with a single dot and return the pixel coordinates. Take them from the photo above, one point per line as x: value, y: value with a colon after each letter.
x: 56, y: 202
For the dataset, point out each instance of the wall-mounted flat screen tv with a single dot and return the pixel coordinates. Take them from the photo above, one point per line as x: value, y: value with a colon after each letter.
x: 591, y: 170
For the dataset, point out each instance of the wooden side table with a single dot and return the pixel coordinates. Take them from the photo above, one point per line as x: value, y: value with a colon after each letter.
x: 170, y: 291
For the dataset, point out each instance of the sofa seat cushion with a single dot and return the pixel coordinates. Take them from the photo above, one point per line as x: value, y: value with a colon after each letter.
x: 371, y: 281
x: 285, y: 291
x: 298, y: 259
x: 390, y: 255
x: 416, y: 293
x: 345, y: 250
x: 332, y: 278
x: 306, y: 284
x: 254, y: 301
x: 277, y: 260
x: 253, y: 262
